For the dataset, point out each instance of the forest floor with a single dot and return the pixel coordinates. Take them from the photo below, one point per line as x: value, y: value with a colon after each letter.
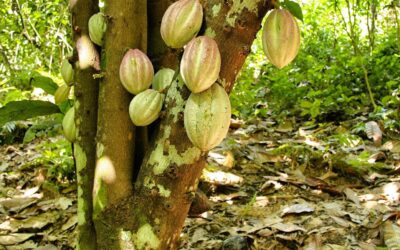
x: 271, y: 185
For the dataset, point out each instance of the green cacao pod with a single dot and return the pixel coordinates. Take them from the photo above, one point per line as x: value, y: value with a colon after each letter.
x: 145, y: 108
x: 97, y: 27
x: 67, y: 72
x: 207, y: 117
x: 281, y: 37
x: 181, y: 22
x: 68, y: 124
x: 201, y: 64
x: 162, y: 79
x: 136, y: 71
x: 62, y: 93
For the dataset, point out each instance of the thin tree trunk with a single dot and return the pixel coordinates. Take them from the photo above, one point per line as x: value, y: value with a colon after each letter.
x: 127, y: 28
x: 86, y: 92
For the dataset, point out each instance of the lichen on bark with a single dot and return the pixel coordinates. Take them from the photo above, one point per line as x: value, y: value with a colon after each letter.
x: 165, y: 155
x: 238, y: 7
x: 146, y: 238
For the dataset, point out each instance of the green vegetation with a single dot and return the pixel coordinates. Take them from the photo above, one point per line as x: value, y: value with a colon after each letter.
x: 327, y: 81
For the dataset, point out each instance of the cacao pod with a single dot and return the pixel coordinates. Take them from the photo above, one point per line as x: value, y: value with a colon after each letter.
x: 162, y: 79
x: 67, y: 72
x: 145, y: 108
x: 136, y: 71
x: 62, y: 93
x: 97, y: 27
x: 207, y: 117
x: 68, y: 124
x: 201, y: 64
x: 281, y: 37
x: 87, y: 54
x: 181, y: 22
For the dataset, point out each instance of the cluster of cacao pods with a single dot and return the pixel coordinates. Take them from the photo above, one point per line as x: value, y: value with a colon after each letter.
x: 207, y: 111
x: 97, y: 26
x: 137, y: 74
x: 67, y: 73
x: 281, y: 37
x: 62, y: 94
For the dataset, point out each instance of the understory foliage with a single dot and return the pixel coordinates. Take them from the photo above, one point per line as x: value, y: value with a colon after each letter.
x: 33, y: 37
x: 327, y: 81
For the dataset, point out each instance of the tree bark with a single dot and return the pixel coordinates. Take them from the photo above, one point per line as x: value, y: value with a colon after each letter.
x: 126, y: 29
x: 86, y: 93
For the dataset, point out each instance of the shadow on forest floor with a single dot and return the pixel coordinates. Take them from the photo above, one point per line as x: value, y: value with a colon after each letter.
x: 271, y: 186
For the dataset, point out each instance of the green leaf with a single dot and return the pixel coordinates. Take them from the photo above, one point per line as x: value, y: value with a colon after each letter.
x: 21, y: 110
x: 44, y: 82
x: 30, y: 134
x: 294, y: 8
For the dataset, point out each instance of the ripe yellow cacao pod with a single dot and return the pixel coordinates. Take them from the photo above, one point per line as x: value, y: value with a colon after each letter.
x: 136, y: 71
x: 68, y: 125
x: 162, y: 79
x: 207, y: 117
x: 62, y: 93
x: 97, y: 27
x: 145, y: 108
x: 281, y: 37
x: 201, y: 64
x: 67, y: 72
x: 181, y: 22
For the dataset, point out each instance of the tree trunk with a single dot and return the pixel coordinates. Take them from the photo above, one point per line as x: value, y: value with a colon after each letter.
x: 86, y: 93
x: 126, y: 29
x: 149, y: 213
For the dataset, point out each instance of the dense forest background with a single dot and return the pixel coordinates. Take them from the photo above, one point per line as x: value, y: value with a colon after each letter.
x: 344, y: 86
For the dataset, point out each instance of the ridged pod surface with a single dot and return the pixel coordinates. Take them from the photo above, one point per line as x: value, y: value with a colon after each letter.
x: 68, y: 124
x: 67, y: 72
x: 207, y: 117
x: 145, y: 108
x: 281, y: 37
x: 181, y: 22
x: 97, y: 27
x: 201, y: 64
x: 61, y: 93
x: 162, y: 79
x: 136, y: 71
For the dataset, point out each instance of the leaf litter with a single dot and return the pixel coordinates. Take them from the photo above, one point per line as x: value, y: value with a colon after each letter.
x: 272, y: 186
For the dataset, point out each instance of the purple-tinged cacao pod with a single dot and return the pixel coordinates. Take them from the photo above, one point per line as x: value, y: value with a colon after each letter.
x: 201, y: 64
x: 136, y: 71
x: 61, y: 93
x: 97, y: 27
x: 68, y: 124
x: 67, y: 72
x: 181, y: 22
x: 145, y: 108
x: 281, y: 37
x: 162, y: 79
x: 207, y: 117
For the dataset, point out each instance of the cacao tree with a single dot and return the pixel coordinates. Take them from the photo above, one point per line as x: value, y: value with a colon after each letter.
x: 136, y: 184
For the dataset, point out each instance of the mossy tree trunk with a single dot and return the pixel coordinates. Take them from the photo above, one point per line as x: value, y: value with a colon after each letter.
x: 149, y: 212
x: 86, y: 93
